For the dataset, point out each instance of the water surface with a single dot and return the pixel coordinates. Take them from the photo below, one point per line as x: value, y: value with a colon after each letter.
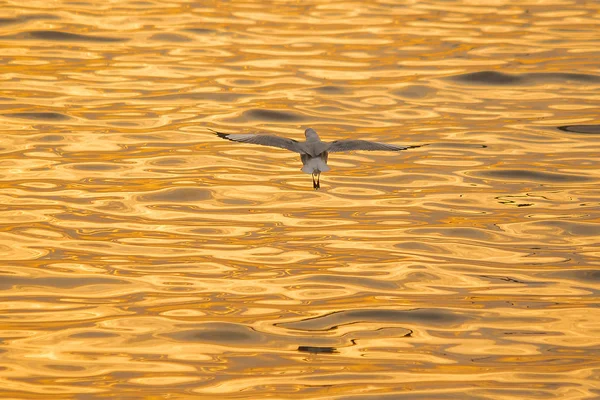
x: 144, y: 257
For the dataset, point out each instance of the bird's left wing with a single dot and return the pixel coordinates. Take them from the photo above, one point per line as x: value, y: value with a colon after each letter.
x: 264, y: 140
x: 350, y: 145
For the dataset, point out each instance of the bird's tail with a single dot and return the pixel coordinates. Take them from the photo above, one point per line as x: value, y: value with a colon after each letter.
x: 315, y: 164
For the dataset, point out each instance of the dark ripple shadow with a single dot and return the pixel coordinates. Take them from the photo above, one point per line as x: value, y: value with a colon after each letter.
x: 588, y: 276
x: 588, y: 129
x: 331, y: 321
x: 26, y: 18
x: 200, y: 31
x: 218, y: 97
x: 51, y: 138
x: 95, y: 167
x: 572, y: 228
x: 8, y: 21
x: 219, y: 333
x: 8, y: 282
x: 360, y: 281
x: 53, y: 116
x: 330, y: 89
x: 457, y: 232
x: 415, y: 92
x: 273, y: 115
x: 177, y: 195
x: 246, y: 82
x: 317, y: 350
x: 65, y: 368
x: 531, y: 176
x: 168, y: 162
x: 456, y: 390
x: 410, y: 245
x: 93, y: 335
x: 58, y: 36
x: 496, y: 78
x: 170, y: 37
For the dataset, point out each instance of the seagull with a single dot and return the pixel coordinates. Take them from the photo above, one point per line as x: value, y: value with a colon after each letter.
x: 313, y: 151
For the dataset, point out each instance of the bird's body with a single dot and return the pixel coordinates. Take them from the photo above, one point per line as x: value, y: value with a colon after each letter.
x: 315, y: 165
x: 313, y: 151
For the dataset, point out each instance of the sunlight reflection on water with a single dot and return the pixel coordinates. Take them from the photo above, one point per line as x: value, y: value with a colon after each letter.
x: 144, y: 256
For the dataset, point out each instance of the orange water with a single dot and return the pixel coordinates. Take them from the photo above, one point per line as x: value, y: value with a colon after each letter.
x: 144, y: 257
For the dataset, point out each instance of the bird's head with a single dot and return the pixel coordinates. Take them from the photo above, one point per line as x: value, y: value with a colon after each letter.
x: 311, y: 134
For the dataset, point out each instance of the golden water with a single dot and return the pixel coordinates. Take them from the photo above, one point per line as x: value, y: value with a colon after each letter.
x: 144, y: 257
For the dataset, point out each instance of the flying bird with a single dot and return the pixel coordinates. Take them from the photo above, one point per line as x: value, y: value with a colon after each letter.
x: 313, y: 152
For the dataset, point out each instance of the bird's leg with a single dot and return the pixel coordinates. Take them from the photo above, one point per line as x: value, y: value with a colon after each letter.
x: 318, y: 180
x: 314, y: 183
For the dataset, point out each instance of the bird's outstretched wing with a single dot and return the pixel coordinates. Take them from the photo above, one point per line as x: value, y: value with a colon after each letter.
x: 264, y: 140
x: 350, y: 145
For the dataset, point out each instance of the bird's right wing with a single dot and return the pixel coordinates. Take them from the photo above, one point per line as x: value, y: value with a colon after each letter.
x: 264, y: 140
x: 350, y: 145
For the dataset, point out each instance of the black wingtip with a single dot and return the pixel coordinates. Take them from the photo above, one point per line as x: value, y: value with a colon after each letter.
x: 219, y: 134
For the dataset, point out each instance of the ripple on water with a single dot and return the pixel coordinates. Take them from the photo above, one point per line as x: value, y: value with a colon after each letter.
x: 140, y: 251
x: 587, y: 276
x: 416, y: 92
x: 502, y: 78
x: 168, y: 162
x: 273, y: 115
x: 589, y: 129
x: 170, y: 37
x: 93, y: 335
x: 200, y: 31
x: 575, y: 232
x: 356, y: 281
x: 59, y: 36
x: 8, y: 282
x: 177, y: 195
x: 317, y: 350
x: 532, y: 176
x: 53, y: 116
x: 219, y: 333
x: 51, y: 138
x: 460, y: 233
x: 26, y: 18
x: 202, y: 96
x: 329, y: 89
x: 421, y: 316
x: 95, y: 167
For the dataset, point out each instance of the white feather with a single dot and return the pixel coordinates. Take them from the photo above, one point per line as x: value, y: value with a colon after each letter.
x: 315, y: 164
